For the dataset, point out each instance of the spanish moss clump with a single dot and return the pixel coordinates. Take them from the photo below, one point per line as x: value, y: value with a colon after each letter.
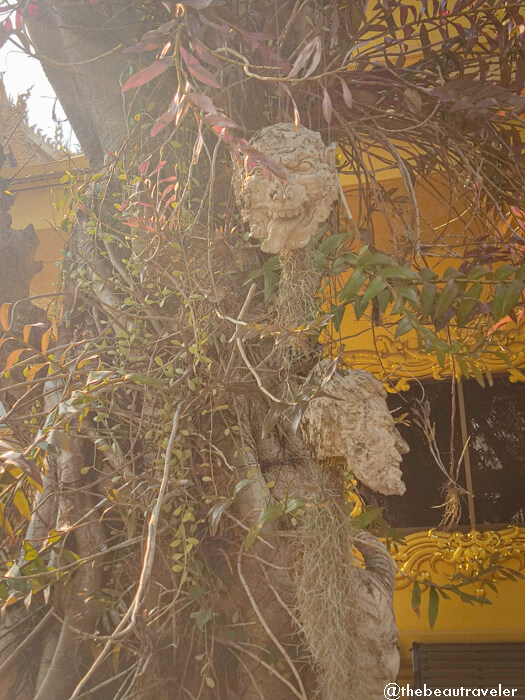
x: 295, y: 304
x: 327, y: 606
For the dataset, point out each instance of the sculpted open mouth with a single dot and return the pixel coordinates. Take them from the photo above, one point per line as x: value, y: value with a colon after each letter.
x: 294, y: 213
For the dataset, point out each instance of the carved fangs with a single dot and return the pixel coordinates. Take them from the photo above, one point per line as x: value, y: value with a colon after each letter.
x: 287, y: 213
x: 287, y: 216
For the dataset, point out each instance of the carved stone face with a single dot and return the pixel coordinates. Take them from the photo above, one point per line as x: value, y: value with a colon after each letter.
x: 287, y: 216
x: 359, y: 428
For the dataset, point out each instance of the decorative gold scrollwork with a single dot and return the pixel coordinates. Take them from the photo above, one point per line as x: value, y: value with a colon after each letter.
x: 403, y: 359
x: 435, y: 554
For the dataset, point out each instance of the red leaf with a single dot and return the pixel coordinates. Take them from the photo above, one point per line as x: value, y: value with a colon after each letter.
x: 224, y: 134
x: 162, y: 122
x: 4, y: 35
x: 220, y: 120
x: 159, y: 167
x: 312, y: 47
x: 296, y: 115
x: 327, y: 106
x: 255, y: 38
x: 197, y: 69
x: 203, y: 102
x: 33, y: 10
x: 151, y: 45
x: 347, y: 95
x: 147, y: 74
x: 197, y: 148
x: 144, y: 165
x: 203, y: 53
x: 176, y: 111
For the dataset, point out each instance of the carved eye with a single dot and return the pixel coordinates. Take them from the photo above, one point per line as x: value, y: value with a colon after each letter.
x: 305, y: 166
x: 257, y: 171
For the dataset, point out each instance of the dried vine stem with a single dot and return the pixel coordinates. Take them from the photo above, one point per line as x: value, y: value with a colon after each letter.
x: 131, y: 614
x: 244, y: 356
x: 301, y: 694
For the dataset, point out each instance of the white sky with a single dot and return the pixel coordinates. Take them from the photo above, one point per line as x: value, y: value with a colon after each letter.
x: 21, y: 72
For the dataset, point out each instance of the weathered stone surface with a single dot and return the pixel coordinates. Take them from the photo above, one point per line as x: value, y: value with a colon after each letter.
x: 287, y: 216
x: 356, y: 425
x: 375, y: 609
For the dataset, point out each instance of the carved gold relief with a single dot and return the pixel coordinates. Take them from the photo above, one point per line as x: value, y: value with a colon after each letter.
x: 431, y: 554
x: 400, y: 360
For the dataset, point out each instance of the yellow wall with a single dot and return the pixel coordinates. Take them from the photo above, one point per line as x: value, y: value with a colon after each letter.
x: 458, y: 622
x: 38, y: 191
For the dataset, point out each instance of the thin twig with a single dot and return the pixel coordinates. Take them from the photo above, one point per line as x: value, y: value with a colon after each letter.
x: 269, y: 632
x: 131, y: 614
x: 27, y: 641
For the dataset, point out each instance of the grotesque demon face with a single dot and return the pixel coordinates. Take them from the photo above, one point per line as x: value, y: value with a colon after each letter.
x: 286, y: 215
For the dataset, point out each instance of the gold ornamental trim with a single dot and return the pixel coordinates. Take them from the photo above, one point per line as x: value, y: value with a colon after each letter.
x: 402, y: 359
x: 427, y: 555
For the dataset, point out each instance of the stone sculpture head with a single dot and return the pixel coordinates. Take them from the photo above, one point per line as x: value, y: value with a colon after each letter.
x: 287, y: 215
x: 357, y: 426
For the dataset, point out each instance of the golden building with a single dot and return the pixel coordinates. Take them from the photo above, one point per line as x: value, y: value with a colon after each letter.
x: 22, y: 144
x: 477, y: 644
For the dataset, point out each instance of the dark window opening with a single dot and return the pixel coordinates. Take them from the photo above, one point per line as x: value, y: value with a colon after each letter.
x: 495, y: 418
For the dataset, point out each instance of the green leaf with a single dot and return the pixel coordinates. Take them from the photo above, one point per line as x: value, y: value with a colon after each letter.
x: 503, y: 272
x: 293, y: 504
x: 376, y: 285
x: 477, y: 272
x: 463, y: 367
x: 202, y: 617
x: 427, y: 274
x: 241, y: 484
x: 520, y: 273
x: 144, y: 379
x: 446, y: 298
x: 366, y: 517
x: 353, y: 285
x: 338, y: 315
x: 271, y: 279
x: 451, y: 273
x: 514, y: 292
x: 427, y: 298
x: 267, y: 516
x: 416, y: 598
x: 477, y: 373
x: 497, y: 301
x: 399, y: 273
x: 359, y: 307
x: 333, y: 242
x: 271, y: 418
x: 409, y: 293
x: 404, y: 326
x: 464, y: 308
x: 440, y: 355
x: 433, y: 606
x: 216, y: 512
x: 373, y: 259
x: 383, y: 299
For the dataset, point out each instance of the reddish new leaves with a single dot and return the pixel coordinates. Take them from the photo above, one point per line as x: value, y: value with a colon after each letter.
x: 146, y: 74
